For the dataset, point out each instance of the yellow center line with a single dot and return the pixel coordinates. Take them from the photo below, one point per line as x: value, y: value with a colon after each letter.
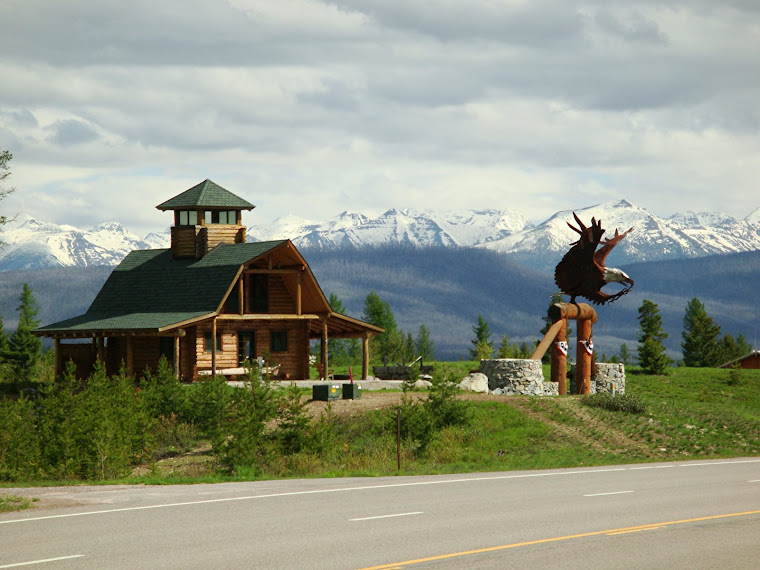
x: 614, y: 531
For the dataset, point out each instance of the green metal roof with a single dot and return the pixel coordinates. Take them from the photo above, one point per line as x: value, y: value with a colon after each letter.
x: 207, y: 194
x: 149, y: 290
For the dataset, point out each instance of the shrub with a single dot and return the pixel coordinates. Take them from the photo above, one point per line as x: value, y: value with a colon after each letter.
x: 616, y: 402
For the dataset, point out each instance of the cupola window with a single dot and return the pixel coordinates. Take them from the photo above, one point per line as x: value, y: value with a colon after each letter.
x: 221, y: 217
x: 188, y: 217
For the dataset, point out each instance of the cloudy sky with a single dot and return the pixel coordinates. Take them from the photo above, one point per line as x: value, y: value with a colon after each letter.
x: 313, y: 107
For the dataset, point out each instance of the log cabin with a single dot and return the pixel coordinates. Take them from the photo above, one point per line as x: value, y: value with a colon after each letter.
x: 207, y: 304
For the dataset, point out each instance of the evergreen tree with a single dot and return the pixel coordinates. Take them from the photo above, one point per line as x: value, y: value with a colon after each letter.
x: 25, y: 349
x: 624, y: 354
x: 731, y: 348
x: 343, y: 352
x: 701, y: 337
x: 482, y: 345
x: 425, y: 345
x: 652, y: 355
x: 377, y: 312
x: 504, y: 350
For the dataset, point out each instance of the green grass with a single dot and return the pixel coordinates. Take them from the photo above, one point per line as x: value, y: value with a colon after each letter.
x: 9, y: 503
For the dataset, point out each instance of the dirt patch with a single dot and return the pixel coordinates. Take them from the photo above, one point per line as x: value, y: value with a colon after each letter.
x: 368, y: 401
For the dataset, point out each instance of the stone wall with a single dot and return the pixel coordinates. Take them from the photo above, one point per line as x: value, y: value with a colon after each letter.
x: 515, y: 376
x: 609, y: 377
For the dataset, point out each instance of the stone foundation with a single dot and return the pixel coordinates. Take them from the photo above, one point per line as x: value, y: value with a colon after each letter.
x: 512, y: 376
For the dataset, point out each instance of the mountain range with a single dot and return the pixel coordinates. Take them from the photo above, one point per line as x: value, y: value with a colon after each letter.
x: 31, y: 243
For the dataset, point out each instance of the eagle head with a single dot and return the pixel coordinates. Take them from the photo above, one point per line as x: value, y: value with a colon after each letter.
x: 615, y: 275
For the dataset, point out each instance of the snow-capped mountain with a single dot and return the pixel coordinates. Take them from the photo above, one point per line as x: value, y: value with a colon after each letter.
x: 32, y: 243
x: 682, y: 235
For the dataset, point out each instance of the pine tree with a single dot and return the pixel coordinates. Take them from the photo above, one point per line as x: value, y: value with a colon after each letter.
x: 25, y: 349
x: 504, y: 350
x: 482, y: 345
x: 625, y: 354
x: 343, y: 351
x: 388, y: 345
x: 425, y: 345
x: 652, y: 355
x: 701, y: 337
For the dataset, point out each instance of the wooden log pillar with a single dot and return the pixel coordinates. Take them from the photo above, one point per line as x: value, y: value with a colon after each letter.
x: 583, y: 365
x: 323, y: 349
x: 559, y: 359
x: 58, y: 358
x: 241, y: 296
x: 130, y: 356
x: 101, y: 349
x: 298, y: 294
x: 176, y: 358
x: 365, y: 357
x: 213, y: 348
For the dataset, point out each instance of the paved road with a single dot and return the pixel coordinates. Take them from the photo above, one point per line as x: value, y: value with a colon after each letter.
x: 668, y: 515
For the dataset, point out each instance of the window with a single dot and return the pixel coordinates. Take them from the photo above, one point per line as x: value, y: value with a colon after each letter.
x: 221, y: 217
x: 259, y: 293
x: 279, y: 341
x: 246, y: 346
x: 166, y: 348
x: 207, y: 341
x: 188, y: 217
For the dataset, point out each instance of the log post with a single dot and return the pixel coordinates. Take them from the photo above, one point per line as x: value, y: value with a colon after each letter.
x: 176, y: 358
x: 101, y: 349
x: 365, y: 356
x: 58, y: 358
x: 241, y: 296
x: 323, y: 352
x: 559, y: 359
x: 583, y: 358
x: 213, y: 348
x: 298, y: 294
x: 130, y: 356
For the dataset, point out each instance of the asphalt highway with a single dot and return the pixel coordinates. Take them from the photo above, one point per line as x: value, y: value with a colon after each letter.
x: 698, y: 514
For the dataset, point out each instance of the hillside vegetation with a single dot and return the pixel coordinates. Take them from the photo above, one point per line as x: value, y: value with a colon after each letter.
x: 166, y: 432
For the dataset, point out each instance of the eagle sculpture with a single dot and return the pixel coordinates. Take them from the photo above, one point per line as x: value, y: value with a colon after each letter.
x: 582, y: 272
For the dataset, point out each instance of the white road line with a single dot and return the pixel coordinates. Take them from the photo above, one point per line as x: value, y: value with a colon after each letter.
x: 42, y: 561
x: 754, y: 481
x: 652, y: 467
x: 613, y: 493
x: 386, y: 516
x: 345, y: 490
x: 717, y: 463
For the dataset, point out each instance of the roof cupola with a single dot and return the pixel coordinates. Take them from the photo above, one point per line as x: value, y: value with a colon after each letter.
x: 205, y: 216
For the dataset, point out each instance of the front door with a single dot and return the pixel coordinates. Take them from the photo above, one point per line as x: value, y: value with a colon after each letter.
x: 246, y: 346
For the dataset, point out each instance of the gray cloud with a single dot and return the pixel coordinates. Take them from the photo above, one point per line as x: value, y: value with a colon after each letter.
x: 309, y: 102
x: 71, y: 132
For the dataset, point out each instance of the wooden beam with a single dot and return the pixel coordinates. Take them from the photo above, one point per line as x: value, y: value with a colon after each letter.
x: 323, y: 356
x: 130, y: 356
x: 176, y: 358
x: 583, y: 359
x: 213, y: 349
x: 572, y: 311
x: 267, y: 317
x: 546, y: 341
x: 298, y: 293
x: 58, y: 358
x: 273, y: 271
x: 241, y: 296
x: 365, y: 357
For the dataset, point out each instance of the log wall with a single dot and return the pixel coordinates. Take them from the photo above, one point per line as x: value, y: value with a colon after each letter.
x: 280, y: 300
